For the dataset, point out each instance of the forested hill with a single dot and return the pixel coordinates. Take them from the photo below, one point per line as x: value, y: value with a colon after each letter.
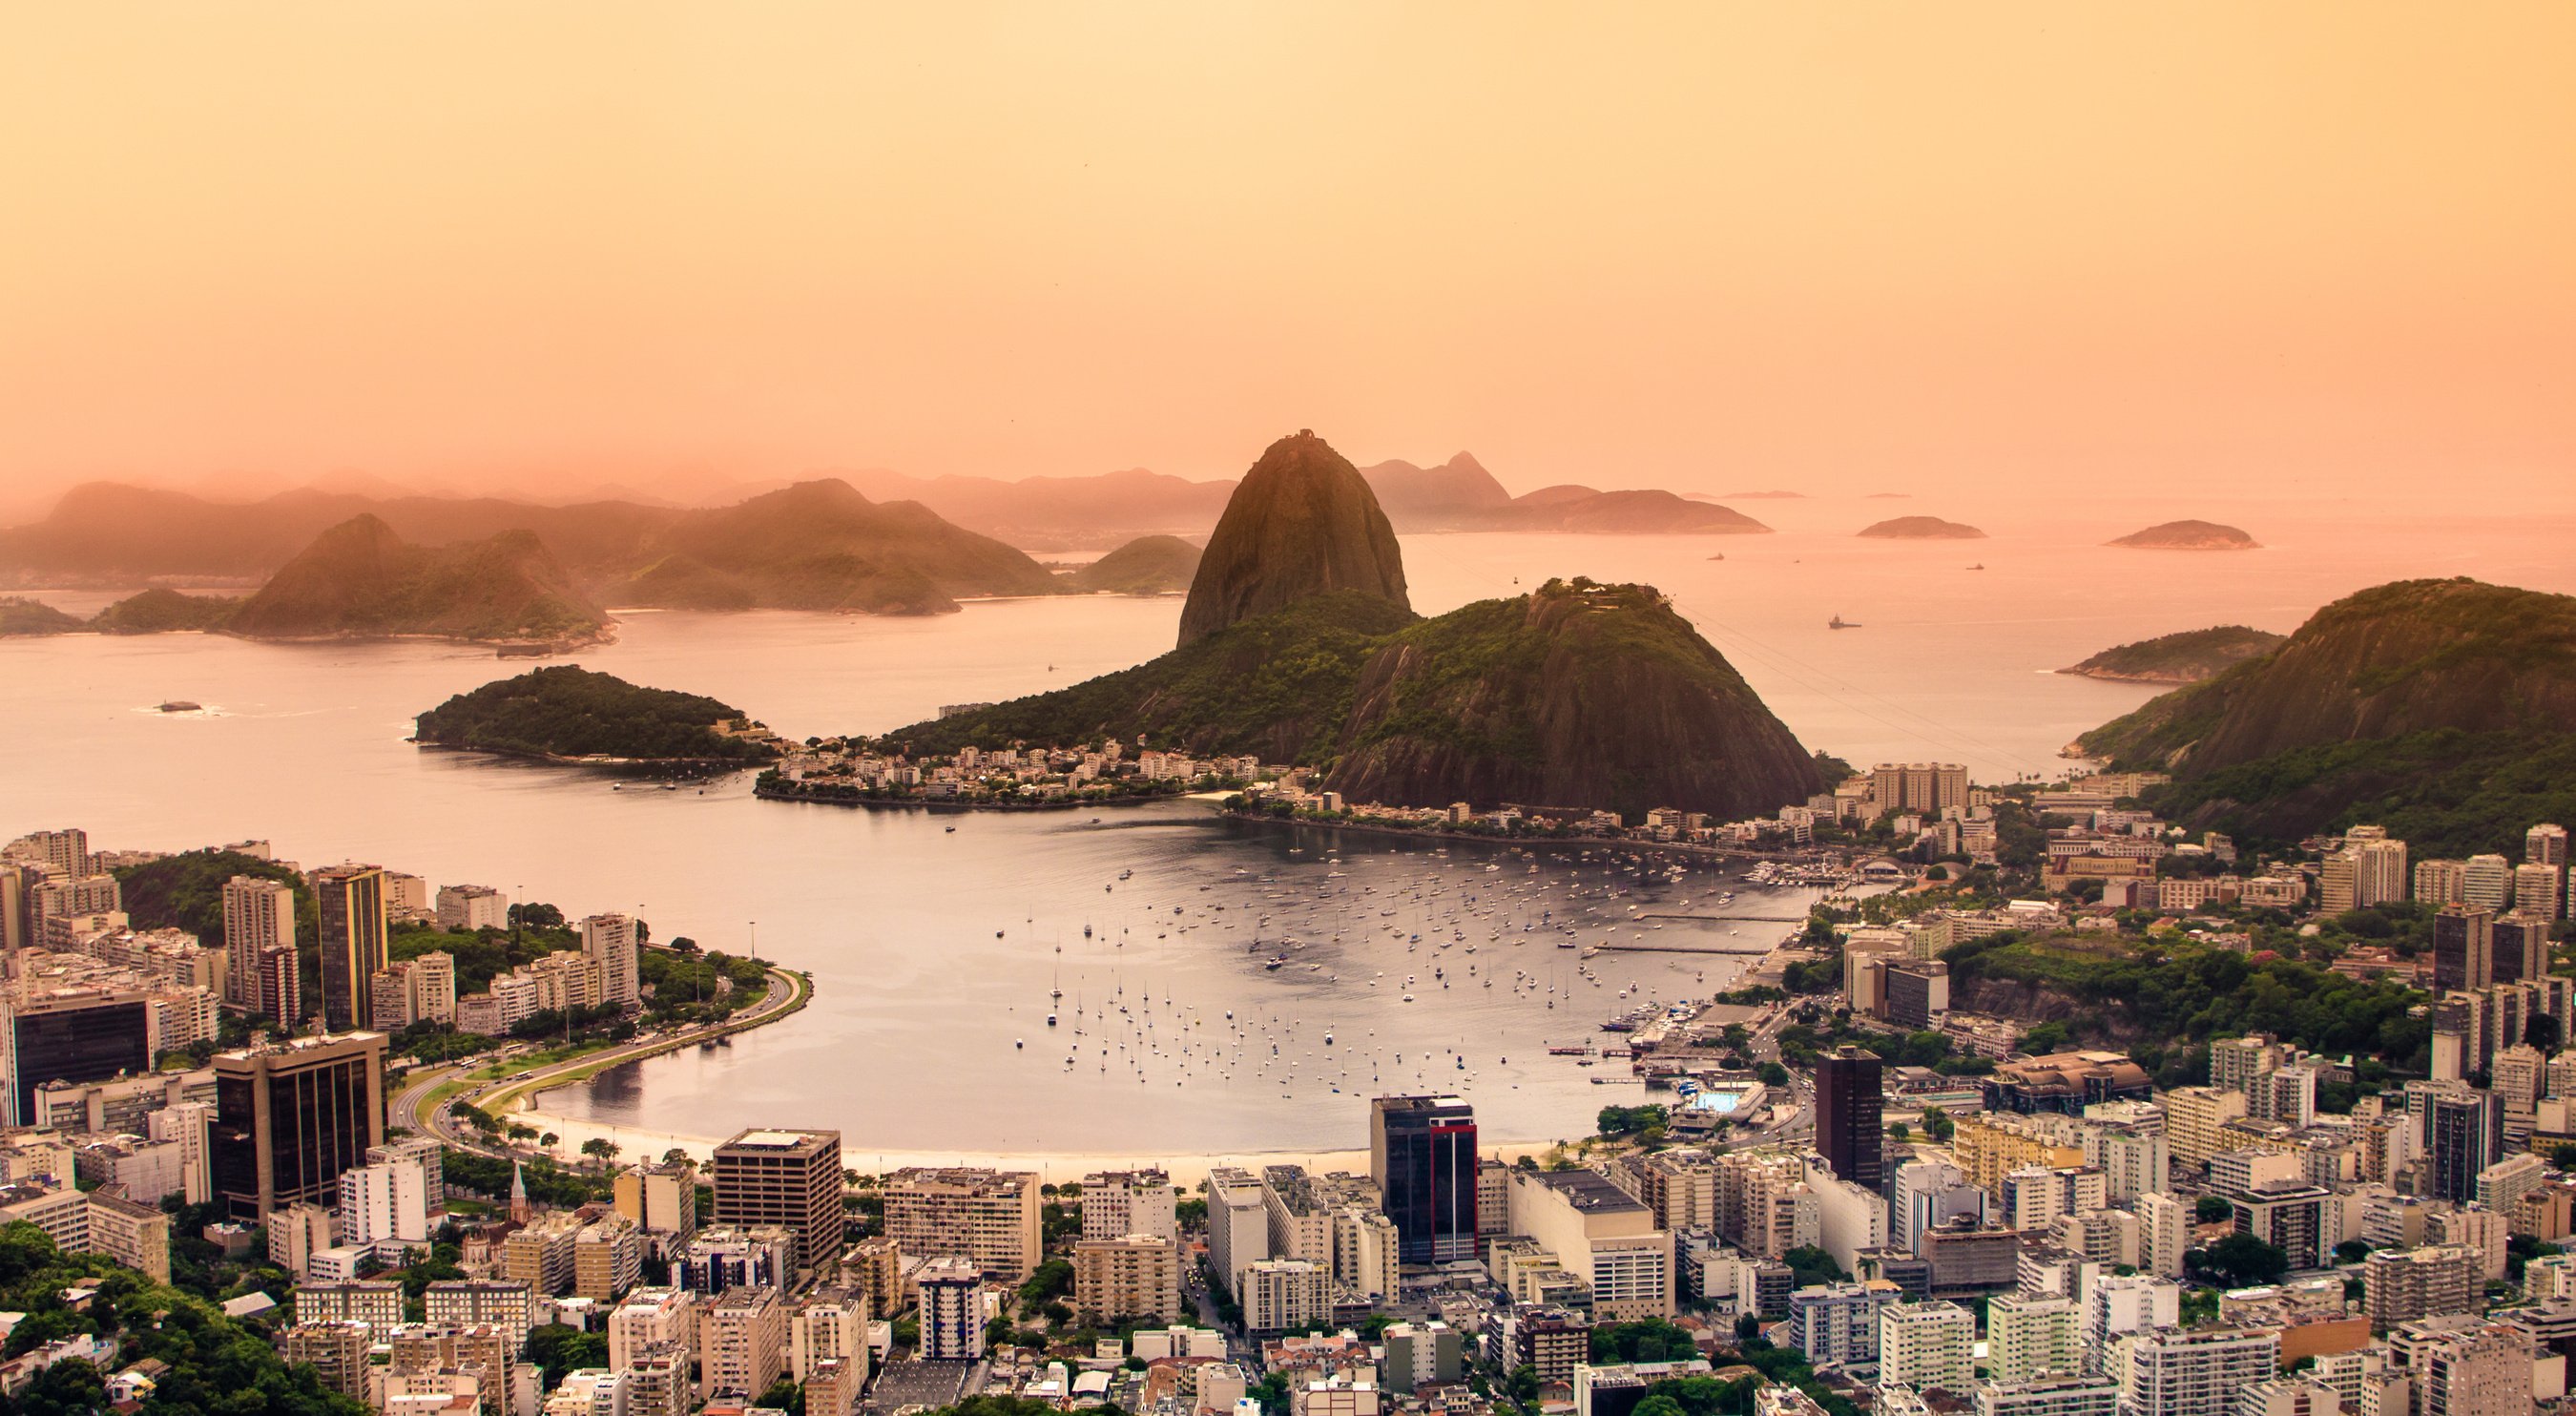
x: 567, y: 711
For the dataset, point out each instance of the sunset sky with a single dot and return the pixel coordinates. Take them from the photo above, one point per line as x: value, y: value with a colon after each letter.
x: 2324, y: 247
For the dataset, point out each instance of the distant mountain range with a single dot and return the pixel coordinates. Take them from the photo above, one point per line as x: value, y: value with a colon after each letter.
x: 113, y: 534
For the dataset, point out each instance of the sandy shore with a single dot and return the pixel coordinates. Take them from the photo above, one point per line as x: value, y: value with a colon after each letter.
x: 1187, y: 1171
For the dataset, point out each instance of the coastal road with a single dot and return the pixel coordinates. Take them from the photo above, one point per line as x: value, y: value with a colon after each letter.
x: 419, y: 1105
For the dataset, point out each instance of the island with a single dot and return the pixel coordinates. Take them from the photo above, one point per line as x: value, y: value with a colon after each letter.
x: 567, y: 713
x: 2187, y: 657
x: 165, y: 611
x: 2187, y: 536
x: 1921, y: 528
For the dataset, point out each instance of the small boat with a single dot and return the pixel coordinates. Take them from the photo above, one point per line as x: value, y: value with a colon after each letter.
x: 1719, y: 556
x: 1837, y: 622
x: 181, y: 705
x: 1978, y: 566
x: 952, y: 830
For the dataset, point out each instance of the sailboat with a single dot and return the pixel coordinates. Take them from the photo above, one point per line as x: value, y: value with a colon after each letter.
x: 1838, y: 622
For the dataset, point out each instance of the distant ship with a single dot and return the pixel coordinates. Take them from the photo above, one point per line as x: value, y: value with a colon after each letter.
x: 1978, y: 566
x: 1838, y: 622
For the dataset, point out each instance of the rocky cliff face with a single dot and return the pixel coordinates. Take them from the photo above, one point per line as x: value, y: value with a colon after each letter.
x: 360, y: 580
x: 1303, y: 522
x: 1578, y: 695
x: 2409, y: 657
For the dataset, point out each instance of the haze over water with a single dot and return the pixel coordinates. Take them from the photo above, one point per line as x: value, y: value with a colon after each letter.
x: 909, y: 1046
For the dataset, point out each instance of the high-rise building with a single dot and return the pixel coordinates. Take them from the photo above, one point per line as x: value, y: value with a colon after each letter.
x: 989, y: 1217
x: 2406, y: 1285
x: 384, y: 1203
x: 2545, y: 844
x: 742, y: 1342
x: 467, y: 908
x: 1279, y: 1294
x: 610, y: 940
x: 2441, y: 882
x: 2471, y: 1368
x: 70, y: 1031
x: 1422, y: 1153
x: 2463, y: 947
x: 2518, y: 945
x: 952, y: 1311
x: 2464, y: 1135
x: 1927, y: 787
x: 258, y: 915
x: 1238, y: 1225
x: 350, y: 900
x: 291, y: 1117
x: 1848, y: 1101
x: 2487, y: 883
x: 2166, y: 1371
x: 791, y: 1179
x: 1138, y: 1276
x: 2538, y: 890
x: 1927, y: 1346
x: 279, y: 986
x: 662, y: 1200
x: 1601, y: 1235
x: 2030, y: 1336
x: 1117, y: 1203
x: 648, y: 1317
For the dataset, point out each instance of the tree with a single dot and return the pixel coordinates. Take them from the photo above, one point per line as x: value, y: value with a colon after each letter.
x: 2544, y: 1032
x: 1899, y: 1131
x: 2351, y: 1251
x: 2237, y: 1261
x: 1809, y: 1266
x: 2210, y: 1209
x: 548, y: 1140
x: 1938, y: 1125
x: 1772, y: 1074
x: 600, y: 1147
x: 784, y: 1395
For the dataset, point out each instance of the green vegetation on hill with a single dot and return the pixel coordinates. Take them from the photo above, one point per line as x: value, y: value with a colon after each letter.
x: 160, y: 611
x: 2163, y: 994
x: 186, y: 891
x: 1580, y: 695
x: 1270, y: 686
x: 20, y: 615
x: 216, y: 1364
x: 2187, y: 657
x: 2445, y: 704
x: 568, y: 711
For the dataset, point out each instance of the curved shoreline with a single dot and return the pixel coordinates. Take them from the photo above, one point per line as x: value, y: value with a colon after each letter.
x: 927, y: 804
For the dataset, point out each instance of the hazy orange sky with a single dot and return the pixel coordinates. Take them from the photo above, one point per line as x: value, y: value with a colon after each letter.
x: 2323, y: 246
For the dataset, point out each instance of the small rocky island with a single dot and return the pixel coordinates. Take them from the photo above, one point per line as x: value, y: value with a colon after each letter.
x: 2188, y: 657
x: 1921, y: 528
x: 569, y: 714
x: 2188, y: 536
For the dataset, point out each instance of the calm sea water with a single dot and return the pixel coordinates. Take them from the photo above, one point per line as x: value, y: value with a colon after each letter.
x: 929, y: 1031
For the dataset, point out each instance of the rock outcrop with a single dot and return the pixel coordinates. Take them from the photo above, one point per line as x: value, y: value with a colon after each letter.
x: 1303, y: 522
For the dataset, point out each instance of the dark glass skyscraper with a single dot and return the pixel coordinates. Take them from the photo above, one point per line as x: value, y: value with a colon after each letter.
x: 75, y: 1035
x: 2467, y: 1136
x: 351, y: 902
x: 290, y: 1118
x: 1422, y: 1152
x: 1848, y: 1096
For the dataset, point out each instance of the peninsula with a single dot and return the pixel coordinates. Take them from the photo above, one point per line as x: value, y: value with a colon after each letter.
x: 2187, y: 657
